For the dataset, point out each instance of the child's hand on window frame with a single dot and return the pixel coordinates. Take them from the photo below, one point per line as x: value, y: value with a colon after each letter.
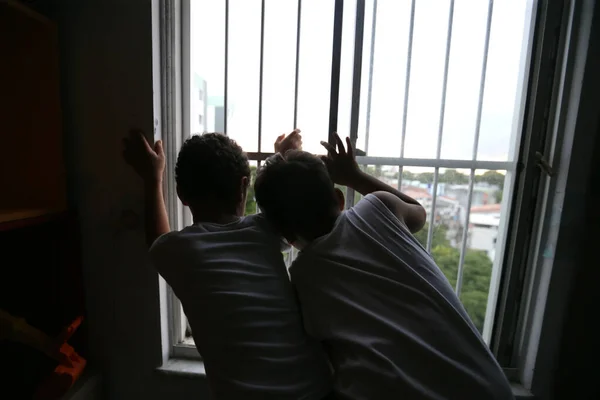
x: 284, y: 143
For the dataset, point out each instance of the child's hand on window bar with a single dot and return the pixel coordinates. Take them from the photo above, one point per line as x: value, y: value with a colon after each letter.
x: 148, y: 162
x: 341, y: 164
x: 284, y: 143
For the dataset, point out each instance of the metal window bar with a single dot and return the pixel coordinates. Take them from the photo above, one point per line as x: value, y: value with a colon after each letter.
x: 418, y: 162
x: 356, y: 82
x: 441, y: 125
x: 226, y: 78
x: 411, y: 29
x: 298, y: 26
x: 336, y: 53
x: 261, y: 72
x: 463, y: 250
x: 370, y: 84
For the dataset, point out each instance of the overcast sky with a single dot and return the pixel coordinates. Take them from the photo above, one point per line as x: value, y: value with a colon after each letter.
x: 510, y: 25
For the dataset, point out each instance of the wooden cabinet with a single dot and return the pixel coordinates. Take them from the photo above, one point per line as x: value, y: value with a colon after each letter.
x: 32, y: 173
x: 40, y: 268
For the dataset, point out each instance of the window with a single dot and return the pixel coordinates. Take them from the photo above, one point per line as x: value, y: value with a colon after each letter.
x: 433, y: 94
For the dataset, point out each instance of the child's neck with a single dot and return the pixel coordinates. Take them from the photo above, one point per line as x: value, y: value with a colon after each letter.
x: 214, y: 216
x: 324, y: 228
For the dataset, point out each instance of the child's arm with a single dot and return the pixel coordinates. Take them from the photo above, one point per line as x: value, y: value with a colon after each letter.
x: 344, y: 171
x: 149, y: 163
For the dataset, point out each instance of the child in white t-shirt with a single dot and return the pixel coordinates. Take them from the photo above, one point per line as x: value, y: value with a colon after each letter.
x: 229, y: 274
x: 391, y: 322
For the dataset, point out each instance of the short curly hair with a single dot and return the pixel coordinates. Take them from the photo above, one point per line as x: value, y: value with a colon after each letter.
x: 296, y: 193
x: 211, y: 166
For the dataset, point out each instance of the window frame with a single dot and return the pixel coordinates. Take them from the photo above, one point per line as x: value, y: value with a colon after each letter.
x: 539, y: 109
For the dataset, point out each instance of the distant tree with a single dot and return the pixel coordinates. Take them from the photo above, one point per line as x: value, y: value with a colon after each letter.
x: 407, y: 175
x: 424, y: 177
x: 498, y: 196
x: 439, y: 236
x: 491, y: 177
x: 477, y: 271
x: 453, y: 176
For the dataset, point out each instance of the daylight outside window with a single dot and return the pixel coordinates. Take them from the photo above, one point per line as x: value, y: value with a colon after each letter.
x: 430, y: 91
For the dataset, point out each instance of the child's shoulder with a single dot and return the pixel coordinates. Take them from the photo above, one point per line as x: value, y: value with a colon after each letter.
x: 165, y: 240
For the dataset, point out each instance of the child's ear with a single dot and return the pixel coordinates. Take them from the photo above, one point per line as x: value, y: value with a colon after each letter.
x: 185, y: 203
x: 340, y: 198
x: 244, y: 183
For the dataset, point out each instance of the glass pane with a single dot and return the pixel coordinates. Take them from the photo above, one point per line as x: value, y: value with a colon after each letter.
x: 366, y: 70
x: 426, y: 78
x: 484, y: 224
x: 347, y: 67
x: 279, y: 70
x: 207, y: 65
x: 243, y: 72
x: 186, y: 329
x: 316, y: 40
x: 449, y: 224
x: 389, y: 72
x: 418, y: 183
x: 464, y: 74
x: 506, y: 75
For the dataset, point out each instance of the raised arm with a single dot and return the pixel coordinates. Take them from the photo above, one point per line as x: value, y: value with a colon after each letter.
x: 149, y: 163
x: 345, y: 171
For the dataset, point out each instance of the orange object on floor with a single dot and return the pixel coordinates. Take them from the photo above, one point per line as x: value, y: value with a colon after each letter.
x: 67, y: 372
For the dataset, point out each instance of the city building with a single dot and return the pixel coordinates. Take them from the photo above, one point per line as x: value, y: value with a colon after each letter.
x: 198, y: 105
x: 483, y: 228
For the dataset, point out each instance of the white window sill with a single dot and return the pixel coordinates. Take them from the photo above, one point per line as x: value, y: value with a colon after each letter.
x: 195, y: 368
x: 183, y: 367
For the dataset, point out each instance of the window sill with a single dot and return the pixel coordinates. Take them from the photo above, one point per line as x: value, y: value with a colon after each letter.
x: 183, y: 367
x: 520, y: 392
x: 195, y: 368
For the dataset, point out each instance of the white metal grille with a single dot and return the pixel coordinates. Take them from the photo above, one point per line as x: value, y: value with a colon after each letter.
x: 360, y: 108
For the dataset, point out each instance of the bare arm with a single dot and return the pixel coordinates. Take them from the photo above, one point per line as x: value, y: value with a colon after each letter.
x: 156, y: 219
x: 345, y: 171
x: 404, y: 207
x: 149, y: 163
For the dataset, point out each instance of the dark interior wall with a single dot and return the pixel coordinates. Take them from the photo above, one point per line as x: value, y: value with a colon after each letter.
x: 107, y: 88
x: 106, y: 74
x: 578, y: 366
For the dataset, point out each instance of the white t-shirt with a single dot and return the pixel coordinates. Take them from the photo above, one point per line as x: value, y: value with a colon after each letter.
x: 387, y: 315
x: 243, y: 312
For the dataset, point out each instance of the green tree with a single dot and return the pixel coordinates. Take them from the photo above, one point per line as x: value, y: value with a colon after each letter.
x: 477, y: 271
x: 498, y: 196
x: 439, y: 236
x: 424, y: 177
x: 406, y: 175
x: 453, y: 176
x: 491, y: 177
